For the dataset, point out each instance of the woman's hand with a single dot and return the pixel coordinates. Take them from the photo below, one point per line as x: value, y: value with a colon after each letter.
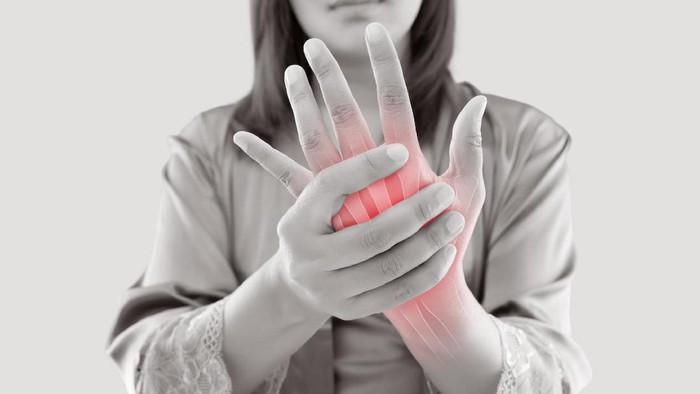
x: 373, y: 266
x: 463, y: 174
x: 445, y: 327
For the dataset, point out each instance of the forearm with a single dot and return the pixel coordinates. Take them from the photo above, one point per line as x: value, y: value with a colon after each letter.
x: 458, y: 345
x: 264, y: 324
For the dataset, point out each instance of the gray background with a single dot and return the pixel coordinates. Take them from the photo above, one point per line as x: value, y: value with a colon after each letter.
x: 89, y: 90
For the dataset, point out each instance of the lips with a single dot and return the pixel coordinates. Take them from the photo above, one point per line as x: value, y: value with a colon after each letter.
x: 342, y: 3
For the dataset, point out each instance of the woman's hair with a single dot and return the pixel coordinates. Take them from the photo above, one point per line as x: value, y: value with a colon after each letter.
x: 278, y: 41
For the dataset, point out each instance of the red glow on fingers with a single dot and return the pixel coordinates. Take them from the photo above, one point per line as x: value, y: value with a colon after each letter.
x: 345, y: 217
x: 368, y: 202
x: 431, y: 322
x: 380, y: 193
x: 356, y: 208
x: 394, y: 188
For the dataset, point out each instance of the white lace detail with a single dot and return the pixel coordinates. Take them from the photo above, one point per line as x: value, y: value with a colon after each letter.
x: 186, y: 356
x: 530, y: 363
x: 273, y: 384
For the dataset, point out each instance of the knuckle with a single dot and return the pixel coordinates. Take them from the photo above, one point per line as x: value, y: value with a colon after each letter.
x: 393, y: 97
x: 323, y: 70
x: 383, y: 57
x: 343, y: 113
x: 376, y: 239
x: 297, y: 96
x: 285, y: 177
x: 311, y: 139
x: 474, y: 144
x: 392, y: 264
x: 323, y: 179
x: 434, y: 239
x: 474, y: 140
x: 369, y: 162
x: 423, y: 211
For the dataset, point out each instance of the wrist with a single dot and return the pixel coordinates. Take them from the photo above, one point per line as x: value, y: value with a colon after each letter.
x: 469, y: 354
x: 481, y: 365
x: 276, y: 278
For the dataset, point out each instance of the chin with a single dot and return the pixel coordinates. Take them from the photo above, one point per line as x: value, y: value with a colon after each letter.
x: 348, y: 42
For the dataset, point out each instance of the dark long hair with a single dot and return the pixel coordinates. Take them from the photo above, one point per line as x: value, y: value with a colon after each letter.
x: 278, y: 40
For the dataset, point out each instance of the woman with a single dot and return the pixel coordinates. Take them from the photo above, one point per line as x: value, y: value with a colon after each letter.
x: 381, y: 276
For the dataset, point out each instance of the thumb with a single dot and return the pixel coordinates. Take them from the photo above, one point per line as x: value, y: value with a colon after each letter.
x: 466, y: 156
x: 288, y: 172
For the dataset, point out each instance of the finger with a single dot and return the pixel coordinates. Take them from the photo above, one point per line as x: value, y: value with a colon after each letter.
x: 394, y: 102
x: 417, y: 281
x: 329, y: 189
x: 315, y: 142
x: 317, y: 146
x: 403, y: 257
x: 349, y: 124
x: 350, y: 127
x: 395, y: 109
x: 290, y: 173
x: 392, y: 226
x: 466, y: 156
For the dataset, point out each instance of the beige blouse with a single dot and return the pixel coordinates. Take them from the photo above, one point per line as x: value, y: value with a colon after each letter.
x: 218, y: 222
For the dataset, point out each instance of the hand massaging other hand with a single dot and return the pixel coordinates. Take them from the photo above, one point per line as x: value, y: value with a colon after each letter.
x: 369, y: 275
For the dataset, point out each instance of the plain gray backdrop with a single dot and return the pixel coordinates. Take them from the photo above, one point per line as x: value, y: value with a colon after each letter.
x: 89, y: 90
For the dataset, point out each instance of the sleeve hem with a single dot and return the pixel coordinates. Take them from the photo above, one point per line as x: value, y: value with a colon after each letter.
x: 186, y: 354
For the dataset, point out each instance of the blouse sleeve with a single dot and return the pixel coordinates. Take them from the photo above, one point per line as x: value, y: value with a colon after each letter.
x: 530, y: 263
x: 168, y: 336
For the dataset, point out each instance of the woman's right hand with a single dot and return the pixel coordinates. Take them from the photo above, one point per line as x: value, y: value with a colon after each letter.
x: 375, y: 265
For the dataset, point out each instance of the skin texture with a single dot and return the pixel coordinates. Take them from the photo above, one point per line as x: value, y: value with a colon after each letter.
x: 443, y: 325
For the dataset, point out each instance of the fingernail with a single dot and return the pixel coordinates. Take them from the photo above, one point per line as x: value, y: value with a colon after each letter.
x: 397, y: 152
x: 483, y: 106
x: 293, y: 74
x: 455, y: 223
x: 374, y: 32
x: 451, y: 252
x: 238, y: 141
x: 312, y: 48
x: 445, y: 195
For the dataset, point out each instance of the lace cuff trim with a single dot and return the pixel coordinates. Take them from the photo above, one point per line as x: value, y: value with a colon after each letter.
x: 186, y: 356
x: 530, y: 362
x: 273, y: 384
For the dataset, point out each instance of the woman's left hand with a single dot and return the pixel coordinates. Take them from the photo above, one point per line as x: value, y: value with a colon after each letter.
x: 434, y: 324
